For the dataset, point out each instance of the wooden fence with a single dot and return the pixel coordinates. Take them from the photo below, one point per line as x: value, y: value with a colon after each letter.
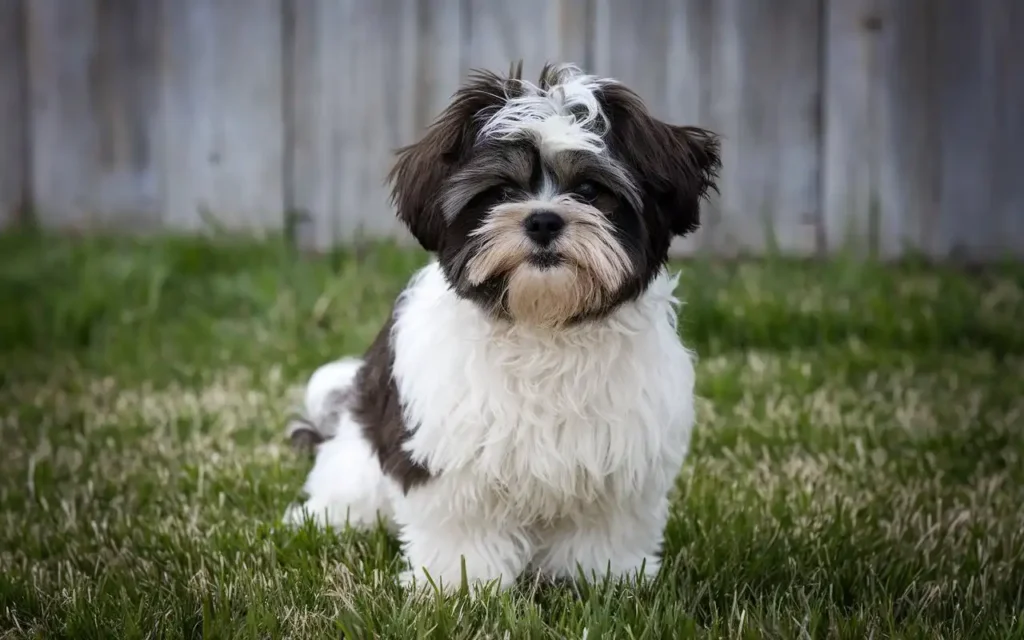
x: 879, y: 126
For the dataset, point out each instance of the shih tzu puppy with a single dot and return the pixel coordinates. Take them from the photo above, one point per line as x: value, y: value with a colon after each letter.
x: 528, y: 403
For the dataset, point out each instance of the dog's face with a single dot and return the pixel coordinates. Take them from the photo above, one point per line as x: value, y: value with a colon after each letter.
x: 549, y: 204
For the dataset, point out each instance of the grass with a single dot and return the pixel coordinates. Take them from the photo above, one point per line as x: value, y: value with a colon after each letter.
x: 857, y: 471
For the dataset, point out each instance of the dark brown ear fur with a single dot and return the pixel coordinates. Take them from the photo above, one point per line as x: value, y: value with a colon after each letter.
x: 679, y: 164
x: 422, y: 167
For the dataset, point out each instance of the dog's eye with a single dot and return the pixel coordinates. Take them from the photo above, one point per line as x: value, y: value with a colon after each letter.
x: 586, y: 190
x: 506, y: 191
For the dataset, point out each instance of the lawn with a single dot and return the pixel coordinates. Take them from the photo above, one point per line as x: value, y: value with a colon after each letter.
x: 857, y: 470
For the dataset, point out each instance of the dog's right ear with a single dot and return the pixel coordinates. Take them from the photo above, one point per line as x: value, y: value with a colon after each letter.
x: 421, y: 169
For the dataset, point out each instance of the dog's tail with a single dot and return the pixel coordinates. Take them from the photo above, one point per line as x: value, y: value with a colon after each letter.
x: 328, y: 395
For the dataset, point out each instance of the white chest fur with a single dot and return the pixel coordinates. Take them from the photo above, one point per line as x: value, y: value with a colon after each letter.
x: 535, y: 425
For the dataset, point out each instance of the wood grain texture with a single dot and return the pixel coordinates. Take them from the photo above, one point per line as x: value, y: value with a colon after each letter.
x: 92, y: 76
x: 1007, y: 210
x: 981, y: 63
x: 918, y: 101
x: 966, y: 95
x: 748, y: 71
x: 125, y: 98
x: 662, y: 51
x: 354, y: 102
x: 689, y: 83
x: 631, y: 44
x: 853, y: 138
x: 499, y: 33
x: 908, y: 197
x: 766, y: 101
x: 14, y: 147
x: 60, y: 39
x: 879, y: 126
x: 439, y: 58
x: 222, y: 114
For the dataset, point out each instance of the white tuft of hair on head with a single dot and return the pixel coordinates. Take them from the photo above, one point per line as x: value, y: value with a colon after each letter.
x: 565, y: 115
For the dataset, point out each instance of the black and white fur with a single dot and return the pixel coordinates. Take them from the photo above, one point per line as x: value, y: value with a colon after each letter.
x: 528, y: 404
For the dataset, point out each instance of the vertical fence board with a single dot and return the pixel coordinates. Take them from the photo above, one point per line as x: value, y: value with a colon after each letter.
x: 316, y: 120
x: 92, y: 76
x: 222, y: 111
x: 662, y: 51
x: 355, y: 102
x: 907, y: 199
x: 1008, y: 150
x: 125, y: 97
x: 535, y: 31
x: 915, y: 138
x: 13, y: 114
x: 967, y: 99
x: 438, y: 59
x: 689, y: 84
x: 631, y: 44
x: 973, y: 88
x: 749, y: 72
x: 852, y: 137
x: 881, y: 126
x: 771, y: 198
x: 141, y: 113
x: 60, y: 48
x: 575, y: 28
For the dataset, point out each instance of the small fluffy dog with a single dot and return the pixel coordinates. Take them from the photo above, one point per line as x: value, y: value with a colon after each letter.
x: 528, y: 404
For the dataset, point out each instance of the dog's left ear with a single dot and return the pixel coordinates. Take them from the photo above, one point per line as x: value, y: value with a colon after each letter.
x: 419, y: 172
x: 677, y: 165
x: 421, y: 169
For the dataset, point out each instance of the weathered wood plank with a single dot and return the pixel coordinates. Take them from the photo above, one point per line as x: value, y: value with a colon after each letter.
x: 966, y: 94
x: 631, y: 44
x: 92, y: 86
x: 13, y: 113
x: 438, y: 59
x: 980, y: 61
x: 1008, y: 187
x: 768, y: 111
x: 314, y: 117
x: 689, y: 95
x: 125, y: 96
x: 853, y: 140
x: 882, y: 159
x: 60, y: 38
x: 349, y: 117
x: 575, y: 28
x: 908, y: 199
x: 136, y: 113
x: 222, y: 114
x: 535, y: 31
x: 914, y: 149
x: 662, y: 50
x: 748, y: 71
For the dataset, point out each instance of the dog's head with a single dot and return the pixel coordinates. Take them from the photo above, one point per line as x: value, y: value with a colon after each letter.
x: 552, y: 203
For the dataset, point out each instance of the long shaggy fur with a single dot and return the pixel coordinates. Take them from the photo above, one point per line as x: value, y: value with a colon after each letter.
x: 528, y: 403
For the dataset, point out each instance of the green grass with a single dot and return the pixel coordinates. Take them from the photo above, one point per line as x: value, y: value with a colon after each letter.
x: 857, y: 471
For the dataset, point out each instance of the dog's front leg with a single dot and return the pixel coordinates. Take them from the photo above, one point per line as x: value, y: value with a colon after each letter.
x: 446, y: 553
x: 449, y: 546
x: 623, y: 543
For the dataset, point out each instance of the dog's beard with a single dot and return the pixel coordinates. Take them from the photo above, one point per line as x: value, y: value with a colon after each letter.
x: 577, y: 275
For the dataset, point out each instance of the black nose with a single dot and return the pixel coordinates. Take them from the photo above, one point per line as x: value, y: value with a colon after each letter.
x: 543, y: 226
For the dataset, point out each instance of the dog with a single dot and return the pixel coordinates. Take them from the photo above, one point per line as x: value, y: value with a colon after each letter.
x: 528, y: 403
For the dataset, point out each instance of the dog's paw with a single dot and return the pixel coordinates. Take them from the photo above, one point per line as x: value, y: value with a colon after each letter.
x: 417, y: 584
x: 295, y: 515
x: 298, y: 514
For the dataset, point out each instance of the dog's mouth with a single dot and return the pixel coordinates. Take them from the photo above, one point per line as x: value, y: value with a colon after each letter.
x: 545, y: 259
